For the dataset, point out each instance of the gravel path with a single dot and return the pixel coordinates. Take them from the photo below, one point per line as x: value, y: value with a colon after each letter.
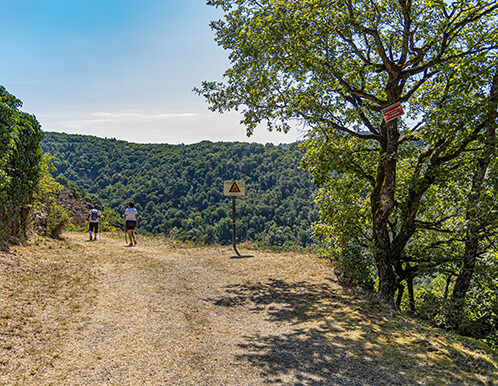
x: 161, y: 314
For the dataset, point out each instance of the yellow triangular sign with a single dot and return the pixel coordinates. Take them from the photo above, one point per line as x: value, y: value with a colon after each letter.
x: 234, y: 188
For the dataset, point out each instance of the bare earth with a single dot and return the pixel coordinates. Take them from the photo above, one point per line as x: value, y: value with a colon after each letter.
x: 100, y: 313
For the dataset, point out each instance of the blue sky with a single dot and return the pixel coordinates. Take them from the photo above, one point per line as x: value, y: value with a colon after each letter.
x: 118, y: 68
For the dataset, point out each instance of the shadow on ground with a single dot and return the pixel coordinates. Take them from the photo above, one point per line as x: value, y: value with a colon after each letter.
x: 338, y: 338
x: 241, y: 256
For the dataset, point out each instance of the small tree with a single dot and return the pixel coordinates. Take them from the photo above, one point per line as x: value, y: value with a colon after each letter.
x: 50, y: 219
x: 481, y: 209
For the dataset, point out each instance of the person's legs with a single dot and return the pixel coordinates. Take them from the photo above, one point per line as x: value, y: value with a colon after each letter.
x: 96, y: 230
x: 130, y: 226
x: 92, y: 228
x: 127, y: 232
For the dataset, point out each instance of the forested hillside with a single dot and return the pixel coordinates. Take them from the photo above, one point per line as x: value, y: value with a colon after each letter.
x: 178, y: 189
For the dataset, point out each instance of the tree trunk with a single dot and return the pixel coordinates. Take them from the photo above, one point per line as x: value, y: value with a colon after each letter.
x: 399, y: 298
x: 382, y: 202
x: 466, y: 273
x: 387, y: 279
x: 411, y: 293
x: 462, y: 283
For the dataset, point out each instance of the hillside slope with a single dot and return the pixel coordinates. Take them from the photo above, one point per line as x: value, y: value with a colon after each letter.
x: 93, y: 313
x: 178, y: 189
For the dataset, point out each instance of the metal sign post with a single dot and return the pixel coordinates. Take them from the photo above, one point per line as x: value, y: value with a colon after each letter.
x: 234, y: 189
x: 234, y: 226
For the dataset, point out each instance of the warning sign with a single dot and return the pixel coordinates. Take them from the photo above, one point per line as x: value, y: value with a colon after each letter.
x: 234, y: 188
x: 392, y: 112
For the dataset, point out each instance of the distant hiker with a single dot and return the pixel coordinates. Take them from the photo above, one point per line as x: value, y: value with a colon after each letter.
x: 131, y: 216
x: 93, y: 221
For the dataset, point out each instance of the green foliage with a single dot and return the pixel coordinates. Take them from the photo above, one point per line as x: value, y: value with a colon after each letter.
x: 109, y: 220
x: 20, y: 170
x: 178, y: 189
x: 354, y: 268
x: 50, y: 219
x: 479, y: 318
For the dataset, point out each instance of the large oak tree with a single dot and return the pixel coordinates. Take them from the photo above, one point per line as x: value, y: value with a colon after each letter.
x: 334, y: 66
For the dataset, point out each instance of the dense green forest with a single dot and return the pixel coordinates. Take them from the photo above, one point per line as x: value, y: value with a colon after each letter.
x: 178, y: 189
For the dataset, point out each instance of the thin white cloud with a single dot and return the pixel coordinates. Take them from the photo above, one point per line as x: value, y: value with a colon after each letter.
x: 139, y: 115
x: 127, y: 118
x: 142, y: 126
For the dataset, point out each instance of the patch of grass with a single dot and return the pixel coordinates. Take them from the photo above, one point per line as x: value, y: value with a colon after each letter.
x: 50, y: 286
x: 35, y: 278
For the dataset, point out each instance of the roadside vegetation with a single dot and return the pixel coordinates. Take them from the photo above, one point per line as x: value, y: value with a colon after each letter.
x: 27, y: 190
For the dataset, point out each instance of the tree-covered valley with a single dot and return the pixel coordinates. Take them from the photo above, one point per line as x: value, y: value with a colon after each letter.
x: 178, y: 189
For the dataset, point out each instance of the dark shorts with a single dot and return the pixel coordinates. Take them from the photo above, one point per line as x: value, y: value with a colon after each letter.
x: 94, y: 227
x: 131, y: 224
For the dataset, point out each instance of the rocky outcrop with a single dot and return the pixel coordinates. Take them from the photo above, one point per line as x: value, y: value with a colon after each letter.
x: 76, y: 206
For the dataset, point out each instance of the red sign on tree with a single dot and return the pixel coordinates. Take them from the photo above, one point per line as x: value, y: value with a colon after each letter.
x: 392, y: 112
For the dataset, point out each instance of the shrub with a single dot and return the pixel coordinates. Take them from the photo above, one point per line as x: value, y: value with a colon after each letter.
x: 354, y: 268
x: 50, y: 219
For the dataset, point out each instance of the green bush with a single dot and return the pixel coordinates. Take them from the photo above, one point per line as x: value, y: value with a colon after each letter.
x: 50, y: 219
x: 431, y: 307
x: 354, y: 268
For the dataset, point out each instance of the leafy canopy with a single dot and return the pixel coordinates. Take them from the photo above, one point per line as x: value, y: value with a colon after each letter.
x: 334, y: 66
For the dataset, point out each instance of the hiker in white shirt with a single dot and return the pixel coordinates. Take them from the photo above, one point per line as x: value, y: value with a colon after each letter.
x: 93, y: 221
x: 131, y: 216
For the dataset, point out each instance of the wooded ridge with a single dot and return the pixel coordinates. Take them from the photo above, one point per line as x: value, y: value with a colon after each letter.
x: 178, y: 189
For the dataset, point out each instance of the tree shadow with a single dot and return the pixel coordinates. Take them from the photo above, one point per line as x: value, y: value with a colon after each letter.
x: 241, y: 256
x: 4, y: 247
x: 336, y: 337
x: 304, y: 358
x: 238, y: 255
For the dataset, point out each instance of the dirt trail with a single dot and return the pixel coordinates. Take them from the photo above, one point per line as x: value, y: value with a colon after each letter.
x: 160, y: 314
x: 151, y: 322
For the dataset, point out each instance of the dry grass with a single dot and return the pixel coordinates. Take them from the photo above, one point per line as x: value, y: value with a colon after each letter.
x: 99, y: 313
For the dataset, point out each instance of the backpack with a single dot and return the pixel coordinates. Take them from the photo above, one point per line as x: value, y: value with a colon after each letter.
x: 94, y: 214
